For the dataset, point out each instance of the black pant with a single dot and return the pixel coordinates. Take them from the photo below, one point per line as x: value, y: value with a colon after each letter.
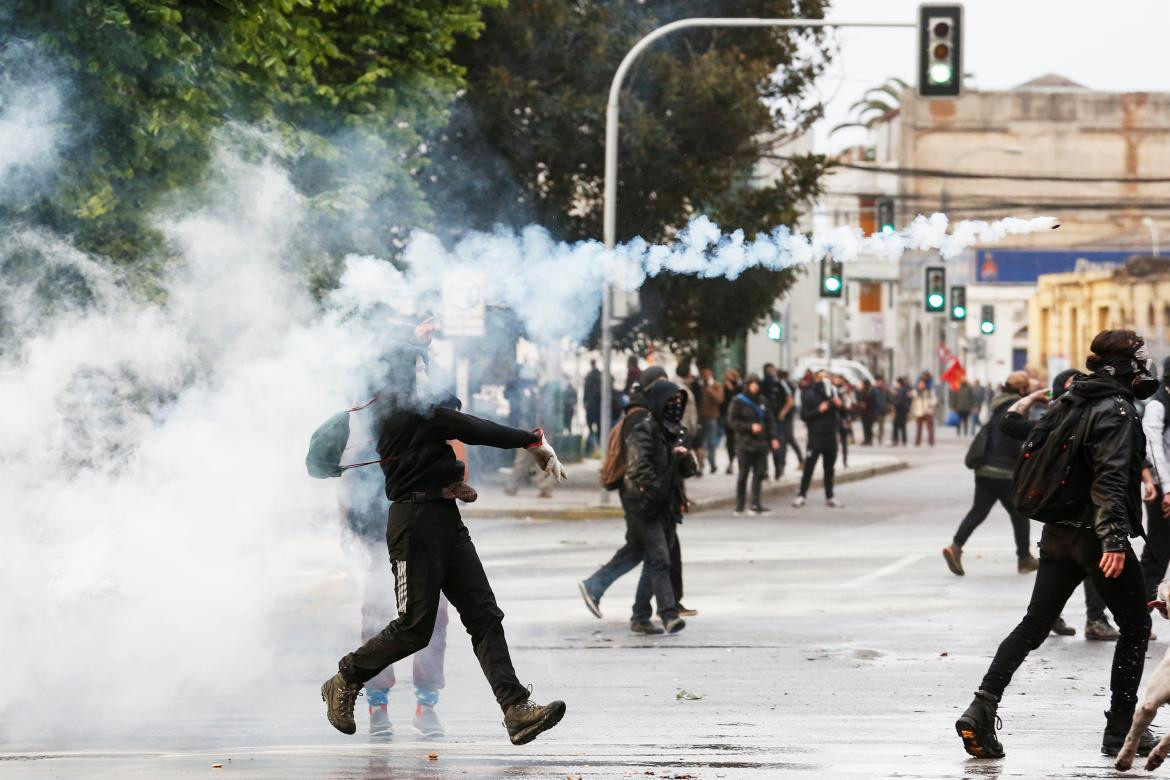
x: 988, y: 490
x: 1157, y: 551
x: 1067, y: 556
x: 787, y: 439
x: 964, y: 425
x: 867, y: 422
x: 844, y: 433
x: 431, y: 552
x: 898, y: 433
x: 757, y: 462
x: 816, y: 448
x: 656, y: 534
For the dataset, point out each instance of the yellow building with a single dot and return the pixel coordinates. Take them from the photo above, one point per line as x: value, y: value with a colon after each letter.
x: 1069, y: 309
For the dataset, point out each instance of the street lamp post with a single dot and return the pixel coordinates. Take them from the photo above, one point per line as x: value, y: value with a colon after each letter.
x: 611, y: 164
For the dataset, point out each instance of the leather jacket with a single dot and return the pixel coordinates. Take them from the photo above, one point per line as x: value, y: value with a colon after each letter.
x: 653, y: 482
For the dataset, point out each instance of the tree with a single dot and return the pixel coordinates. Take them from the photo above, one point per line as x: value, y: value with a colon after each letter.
x: 350, y: 84
x: 700, y: 108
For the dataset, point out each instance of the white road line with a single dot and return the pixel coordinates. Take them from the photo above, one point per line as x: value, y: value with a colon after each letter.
x: 890, y: 568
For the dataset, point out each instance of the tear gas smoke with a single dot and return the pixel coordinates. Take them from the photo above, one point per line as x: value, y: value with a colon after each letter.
x: 160, y: 538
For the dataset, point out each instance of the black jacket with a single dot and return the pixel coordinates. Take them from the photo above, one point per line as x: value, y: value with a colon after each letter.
x: 1003, y: 448
x: 824, y: 425
x: 413, y: 442
x: 653, y: 482
x: 741, y: 416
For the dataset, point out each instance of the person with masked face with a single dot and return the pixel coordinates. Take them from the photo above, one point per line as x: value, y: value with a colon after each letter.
x: 1092, y: 542
x: 754, y: 421
x: 431, y: 552
x: 821, y: 408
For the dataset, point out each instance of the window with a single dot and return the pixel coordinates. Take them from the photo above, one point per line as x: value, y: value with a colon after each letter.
x: 869, y: 297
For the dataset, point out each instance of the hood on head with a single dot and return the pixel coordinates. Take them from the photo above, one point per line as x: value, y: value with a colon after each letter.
x: 651, y: 375
x: 1060, y: 380
x: 659, y: 393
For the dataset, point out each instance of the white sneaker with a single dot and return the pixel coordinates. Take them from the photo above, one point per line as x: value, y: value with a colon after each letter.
x: 834, y: 503
x: 799, y: 502
x: 739, y: 513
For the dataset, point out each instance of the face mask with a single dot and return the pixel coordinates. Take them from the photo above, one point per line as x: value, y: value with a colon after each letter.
x: 1141, y: 369
x: 673, y: 411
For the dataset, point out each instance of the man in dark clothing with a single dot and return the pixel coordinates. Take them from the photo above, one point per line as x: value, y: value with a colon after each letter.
x: 1093, y: 542
x: 881, y: 406
x: 993, y: 481
x: 592, y: 397
x: 754, y: 422
x: 902, y: 401
x: 787, y: 416
x: 963, y: 402
x: 867, y: 401
x: 775, y: 393
x: 821, y: 409
x: 431, y: 552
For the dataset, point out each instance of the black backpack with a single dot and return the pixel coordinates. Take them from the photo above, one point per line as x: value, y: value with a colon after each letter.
x: 1051, y: 479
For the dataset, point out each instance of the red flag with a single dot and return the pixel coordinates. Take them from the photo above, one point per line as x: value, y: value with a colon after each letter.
x: 954, y: 375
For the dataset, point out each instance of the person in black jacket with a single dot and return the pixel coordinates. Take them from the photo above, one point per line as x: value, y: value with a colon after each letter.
x: 652, y: 494
x: 1091, y: 543
x: 821, y: 409
x: 754, y: 422
x: 431, y: 552
x: 993, y: 481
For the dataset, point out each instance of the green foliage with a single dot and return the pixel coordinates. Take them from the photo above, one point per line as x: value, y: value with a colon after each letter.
x: 700, y: 108
x: 352, y: 85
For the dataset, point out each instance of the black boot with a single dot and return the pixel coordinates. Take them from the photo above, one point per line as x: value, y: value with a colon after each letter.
x: 525, y: 720
x: 976, y: 726
x: 1116, y: 730
x: 339, y: 697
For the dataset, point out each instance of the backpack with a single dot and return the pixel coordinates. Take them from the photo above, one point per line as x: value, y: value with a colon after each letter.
x: 328, y: 443
x: 977, y: 452
x: 613, y: 468
x: 1051, y: 479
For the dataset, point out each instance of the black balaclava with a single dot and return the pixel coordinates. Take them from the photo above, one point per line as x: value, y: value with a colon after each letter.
x: 672, y: 411
x: 1135, y: 370
x: 1060, y: 380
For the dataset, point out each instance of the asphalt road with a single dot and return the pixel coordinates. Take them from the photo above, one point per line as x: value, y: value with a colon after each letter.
x: 830, y: 643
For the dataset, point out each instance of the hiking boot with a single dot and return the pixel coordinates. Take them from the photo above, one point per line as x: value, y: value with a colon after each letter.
x: 380, y: 722
x: 340, y: 697
x: 673, y: 624
x: 976, y: 726
x: 953, y: 554
x: 1060, y: 628
x: 1027, y: 565
x: 799, y: 502
x: 760, y: 510
x: 833, y: 503
x: 1116, y: 730
x: 426, y: 722
x: 590, y: 602
x: 1101, y: 631
x: 684, y: 611
x: 525, y: 720
x: 644, y: 627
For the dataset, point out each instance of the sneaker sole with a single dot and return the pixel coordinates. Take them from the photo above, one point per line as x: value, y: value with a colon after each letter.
x: 590, y: 604
x: 547, y: 722
x: 966, y: 732
x: 329, y: 715
x: 433, y: 733
x: 953, y: 562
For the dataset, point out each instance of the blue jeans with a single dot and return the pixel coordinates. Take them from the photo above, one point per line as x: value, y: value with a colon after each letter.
x: 712, y: 436
x: 625, y: 560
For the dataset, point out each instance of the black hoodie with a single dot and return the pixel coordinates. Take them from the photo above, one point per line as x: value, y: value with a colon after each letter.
x: 652, y: 484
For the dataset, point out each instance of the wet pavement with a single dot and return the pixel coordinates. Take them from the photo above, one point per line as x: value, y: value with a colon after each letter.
x: 830, y: 643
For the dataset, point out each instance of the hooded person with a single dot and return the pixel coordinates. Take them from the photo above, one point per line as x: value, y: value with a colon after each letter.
x: 754, y: 422
x: 993, y: 456
x: 430, y: 549
x: 821, y: 409
x: 1091, y: 540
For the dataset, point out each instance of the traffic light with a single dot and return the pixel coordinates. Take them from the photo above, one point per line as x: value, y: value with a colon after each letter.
x: 958, y: 303
x: 832, y: 277
x: 987, y: 321
x: 776, y: 328
x: 936, y: 289
x: 885, y: 215
x: 940, y: 50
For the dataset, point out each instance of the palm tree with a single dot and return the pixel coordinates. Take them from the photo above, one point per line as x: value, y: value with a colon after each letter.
x: 878, y: 104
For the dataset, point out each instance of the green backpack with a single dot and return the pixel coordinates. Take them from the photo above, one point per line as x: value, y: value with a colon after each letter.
x: 328, y: 443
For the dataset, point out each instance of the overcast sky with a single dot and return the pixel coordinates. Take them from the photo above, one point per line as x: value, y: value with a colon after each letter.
x: 1114, y: 45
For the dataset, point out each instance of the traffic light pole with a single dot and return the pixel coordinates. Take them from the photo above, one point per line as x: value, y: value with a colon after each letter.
x: 611, y: 165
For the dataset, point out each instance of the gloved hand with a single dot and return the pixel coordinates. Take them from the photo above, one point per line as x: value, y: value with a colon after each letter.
x: 546, y: 459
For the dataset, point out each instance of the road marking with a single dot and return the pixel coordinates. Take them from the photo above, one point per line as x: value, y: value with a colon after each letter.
x: 890, y: 568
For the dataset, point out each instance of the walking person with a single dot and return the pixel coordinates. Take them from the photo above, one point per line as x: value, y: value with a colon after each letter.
x: 710, y: 404
x: 881, y: 394
x: 963, y: 402
x: 731, y: 388
x: 753, y: 421
x: 776, y: 394
x: 1156, y: 426
x: 844, y: 392
x: 787, y: 415
x: 821, y: 409
x: 903, y: 401
x: 922, y: 405
x: 1098, y: 510
x: 993, y: 457
x: 430, y: 549
x: 867, y: 403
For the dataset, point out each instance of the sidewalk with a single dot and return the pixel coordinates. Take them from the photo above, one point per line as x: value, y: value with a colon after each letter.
x: 580, y: 497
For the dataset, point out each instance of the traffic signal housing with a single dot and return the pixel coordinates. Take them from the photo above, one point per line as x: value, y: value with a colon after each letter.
x: 935, y: 289
x: 776, y: 327
x: 958, y: 303
x: 885, y: 215
x: 940, y: 50
x: 987, y: 320
x: 832, y: 277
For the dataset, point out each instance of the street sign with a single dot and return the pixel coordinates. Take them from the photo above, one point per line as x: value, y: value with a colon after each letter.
x: 463, y: 308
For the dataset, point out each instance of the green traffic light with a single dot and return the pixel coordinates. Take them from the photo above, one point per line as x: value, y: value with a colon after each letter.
x: 935, y: 300
x: 832, y: 284
x: 775, y: 331
x: 987, y: 327
x: 959, y: 312
x: 940, y: 73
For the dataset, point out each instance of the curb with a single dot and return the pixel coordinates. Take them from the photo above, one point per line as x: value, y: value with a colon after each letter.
x: 614, y: 510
